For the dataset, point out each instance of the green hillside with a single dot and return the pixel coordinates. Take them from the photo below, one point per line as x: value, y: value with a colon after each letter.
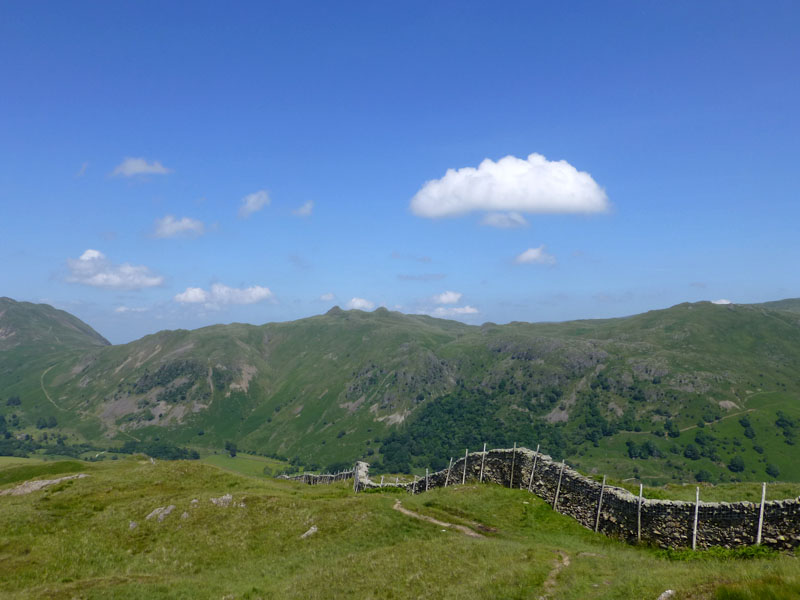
x: 46, y: 328
x: 91, y: 538
x: 696, y: 391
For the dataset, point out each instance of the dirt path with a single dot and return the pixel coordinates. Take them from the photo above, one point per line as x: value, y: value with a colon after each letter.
x: 690, y: 427
x: 461, y: 528
x: 561, y: 563
x: 749, y: 410
x: 41, y: 381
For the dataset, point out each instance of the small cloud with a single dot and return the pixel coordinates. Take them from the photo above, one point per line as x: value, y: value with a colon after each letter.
x: 129, y: 309
x: 454, y: 311
x: 511, y: 185
x: 328, y: 297
x: 139, y: 166
x: 721, y: 301
x: 252, y: 203
x: 94, y: 269
x: 447, y: 297
x: 535, y: 256
x: 170, y: 227
x: 192, y: 295
x: 504, y: 220
x: 360, y: 304
x: 305, y: 210
x: 82, y: 171
x: 220, y: 294
x: 422, y: 277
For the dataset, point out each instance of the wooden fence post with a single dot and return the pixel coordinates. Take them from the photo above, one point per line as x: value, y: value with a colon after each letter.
x: 414, y: 486
x: 696, y: 514
x: 447, y: 477
x: 639, y: 516
x: 513, y: 459
x: 761, y: 513
x: 426, y: 479
x: 483, y: 459
x: 600, y: 504
x: 355, y: 479
x: 381, y: 480
x: 464, y: 476
x: 558, y: 487
x: 533, y: 468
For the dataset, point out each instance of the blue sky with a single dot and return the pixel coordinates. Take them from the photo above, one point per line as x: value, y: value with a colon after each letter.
x: 481, y: 161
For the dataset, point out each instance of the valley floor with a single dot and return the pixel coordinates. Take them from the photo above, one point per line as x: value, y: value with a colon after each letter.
x: 90, y: 538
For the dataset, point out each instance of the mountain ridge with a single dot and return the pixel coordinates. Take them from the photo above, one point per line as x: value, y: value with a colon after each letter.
x: 407, y: 389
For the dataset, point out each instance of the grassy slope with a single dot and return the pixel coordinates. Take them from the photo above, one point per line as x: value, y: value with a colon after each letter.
x: 74, y: 540
x: 325, y: 389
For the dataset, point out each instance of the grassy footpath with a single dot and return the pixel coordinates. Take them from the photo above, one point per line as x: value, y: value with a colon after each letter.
x: 74, y: 540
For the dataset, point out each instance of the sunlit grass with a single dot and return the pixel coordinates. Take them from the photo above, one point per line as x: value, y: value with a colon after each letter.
x: 75, y: 540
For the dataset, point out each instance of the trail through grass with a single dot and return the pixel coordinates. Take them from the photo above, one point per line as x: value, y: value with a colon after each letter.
x: 90, y: 538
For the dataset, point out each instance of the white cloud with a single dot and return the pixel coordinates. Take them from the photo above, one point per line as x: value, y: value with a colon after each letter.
x: 253, y: 203
x: 129, y: 309
x: 328, y: 297
x: 447, y: 297
x: 360, y: 304
x: 139, y: 166
x: 454, y: 311
x: 192, y: 295
x: 305, y: 210
x: 504, y: 220
x: 222, y: 294
x: 532, y: 185
x: 170, y: 227
x: 93, y: 268
x: 721, y: 301
x: 535, y: 256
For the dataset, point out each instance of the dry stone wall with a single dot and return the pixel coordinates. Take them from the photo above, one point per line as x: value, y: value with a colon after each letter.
x: 324, y: 478
x: 664, y: 523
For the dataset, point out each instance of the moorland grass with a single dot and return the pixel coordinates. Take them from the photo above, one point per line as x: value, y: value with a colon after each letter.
x: 75, y: 540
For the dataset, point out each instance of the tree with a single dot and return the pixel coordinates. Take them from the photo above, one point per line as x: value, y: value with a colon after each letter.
x: 230, y: 448
x: 737, y: 464
x: 773, y: 470
x: 691, y: 452
x: 702, y: 475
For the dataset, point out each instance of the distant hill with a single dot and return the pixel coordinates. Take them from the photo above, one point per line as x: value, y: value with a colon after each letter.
x: 28, y: 324
x: 673, y: 394
x: 790, y: 304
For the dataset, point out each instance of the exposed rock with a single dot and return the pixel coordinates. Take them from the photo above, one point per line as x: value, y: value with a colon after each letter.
x: 309, y: 533
x: 35, y: 486
x: 165, y: 512
x: 155, y: 513
x: 133, y: 525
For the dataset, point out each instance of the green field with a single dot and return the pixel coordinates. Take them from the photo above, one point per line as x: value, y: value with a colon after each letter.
x: 247, y: 464
x: 75, y: 540
x: 6, y: 461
